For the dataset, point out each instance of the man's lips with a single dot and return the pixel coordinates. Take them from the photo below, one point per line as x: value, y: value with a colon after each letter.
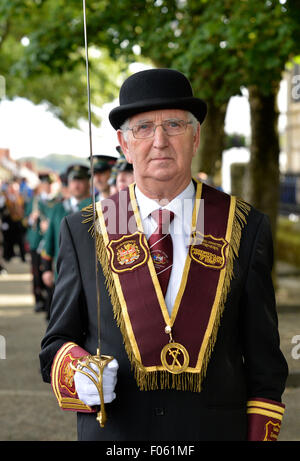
x: 161, y: 158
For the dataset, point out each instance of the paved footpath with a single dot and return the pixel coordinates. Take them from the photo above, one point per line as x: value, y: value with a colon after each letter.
x: 28, y: 408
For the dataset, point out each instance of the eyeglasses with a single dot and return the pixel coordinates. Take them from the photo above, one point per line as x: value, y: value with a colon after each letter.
x: 147, y: 129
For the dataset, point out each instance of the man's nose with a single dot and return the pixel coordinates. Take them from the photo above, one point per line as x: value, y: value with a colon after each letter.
x: 160, y: 139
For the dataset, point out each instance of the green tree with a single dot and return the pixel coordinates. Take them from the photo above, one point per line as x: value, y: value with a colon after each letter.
x: 221, y: 46
x: 262, y: 34
x: 242, y: 44
x: 42, y: 58
x: 161, y: 31
x: 188, y: 36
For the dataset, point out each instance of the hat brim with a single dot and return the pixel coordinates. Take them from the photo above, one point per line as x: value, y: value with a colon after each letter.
x: 72, y: 176
x: 196, y: 106
x: 101, y: 169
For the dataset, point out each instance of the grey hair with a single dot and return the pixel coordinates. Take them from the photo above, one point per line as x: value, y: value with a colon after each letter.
x: 124, y: 128
x: 194, y: 121
x: 191, y: 117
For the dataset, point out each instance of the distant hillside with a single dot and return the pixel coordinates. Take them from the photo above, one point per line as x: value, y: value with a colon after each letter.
x: 54, y: 162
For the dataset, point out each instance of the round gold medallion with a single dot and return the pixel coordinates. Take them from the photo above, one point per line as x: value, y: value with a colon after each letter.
x: 175, y: 358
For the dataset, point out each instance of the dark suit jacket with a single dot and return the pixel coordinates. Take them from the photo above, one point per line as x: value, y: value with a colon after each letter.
x: 246, y: 361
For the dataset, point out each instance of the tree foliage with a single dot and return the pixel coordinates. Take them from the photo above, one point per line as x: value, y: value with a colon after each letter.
x: 220, y: 45
x: 42, y: 58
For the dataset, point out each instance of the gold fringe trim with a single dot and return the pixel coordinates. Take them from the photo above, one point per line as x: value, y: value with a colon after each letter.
x: 162, y: 379
x: 240, y: 213
x: 139, y: 370
x: 88, y: 213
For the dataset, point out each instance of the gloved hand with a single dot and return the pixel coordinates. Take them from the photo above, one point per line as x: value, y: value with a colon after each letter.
x: 86, y: 389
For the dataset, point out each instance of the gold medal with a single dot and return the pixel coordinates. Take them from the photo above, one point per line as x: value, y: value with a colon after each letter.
x: 174, y: 356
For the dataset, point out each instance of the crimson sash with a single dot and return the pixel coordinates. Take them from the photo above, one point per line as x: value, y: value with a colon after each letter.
x: 136, y: 296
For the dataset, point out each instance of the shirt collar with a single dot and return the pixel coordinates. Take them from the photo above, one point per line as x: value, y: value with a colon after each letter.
x: 148, y: 205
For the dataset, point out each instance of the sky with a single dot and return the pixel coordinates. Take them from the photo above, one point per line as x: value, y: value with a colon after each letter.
x: 31, y: 130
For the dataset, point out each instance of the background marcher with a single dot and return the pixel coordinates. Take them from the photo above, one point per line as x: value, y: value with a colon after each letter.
x: 77, y: 197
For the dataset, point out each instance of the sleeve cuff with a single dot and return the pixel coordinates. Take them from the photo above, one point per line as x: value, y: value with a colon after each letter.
x: 264, y: 419
x: 62, y: 378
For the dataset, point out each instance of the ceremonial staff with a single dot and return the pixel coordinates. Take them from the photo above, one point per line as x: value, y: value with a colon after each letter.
x: 99, y: 361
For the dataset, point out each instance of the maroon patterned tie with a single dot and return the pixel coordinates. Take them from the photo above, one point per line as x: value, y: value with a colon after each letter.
x: 161, y: 247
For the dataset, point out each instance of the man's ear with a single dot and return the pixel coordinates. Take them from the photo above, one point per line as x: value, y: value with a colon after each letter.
x: 196, y: 140
x: 124, y: 145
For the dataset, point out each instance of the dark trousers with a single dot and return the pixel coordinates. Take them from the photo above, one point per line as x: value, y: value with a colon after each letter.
x: 14, y: 235
x: 38, y: 287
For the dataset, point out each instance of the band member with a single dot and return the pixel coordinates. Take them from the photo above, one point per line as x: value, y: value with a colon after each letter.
x: 78, y: 196
x: 186, y: 297
x: 121, y: 174
x: 102, y: 165
x: 36, y: 220
x: 12, y: 222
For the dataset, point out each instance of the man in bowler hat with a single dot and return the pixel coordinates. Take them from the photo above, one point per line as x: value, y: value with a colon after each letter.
x: 186, y: 297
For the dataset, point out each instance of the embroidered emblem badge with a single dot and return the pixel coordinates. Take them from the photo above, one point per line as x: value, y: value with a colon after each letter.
x: 128, y: 252
x: 66, y: 378
x: 272, y: 431
x: 208, y: 250
x: 160, y: 259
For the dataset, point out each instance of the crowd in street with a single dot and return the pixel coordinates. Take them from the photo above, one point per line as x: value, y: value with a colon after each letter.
x: 30, y: 218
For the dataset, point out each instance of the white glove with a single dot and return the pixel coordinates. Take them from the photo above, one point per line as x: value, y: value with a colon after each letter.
x: 86, y: 389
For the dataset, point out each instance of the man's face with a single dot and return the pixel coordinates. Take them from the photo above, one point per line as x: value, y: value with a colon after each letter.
x: 45, y: 187
x: 79, y: 188
x: 161, y: 157
x: 101, y: 180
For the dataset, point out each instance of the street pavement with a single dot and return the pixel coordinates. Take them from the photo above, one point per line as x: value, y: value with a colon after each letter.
x: 28, y: 408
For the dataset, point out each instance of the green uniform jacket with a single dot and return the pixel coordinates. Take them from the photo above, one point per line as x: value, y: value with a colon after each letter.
x: 45, y: 207
x: 51, y: 242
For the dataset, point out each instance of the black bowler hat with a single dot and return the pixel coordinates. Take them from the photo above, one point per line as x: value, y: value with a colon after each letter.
x: 156, y: 89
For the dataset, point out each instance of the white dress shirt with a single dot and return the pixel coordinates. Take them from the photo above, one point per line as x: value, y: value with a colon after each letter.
x: 180, y: 230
